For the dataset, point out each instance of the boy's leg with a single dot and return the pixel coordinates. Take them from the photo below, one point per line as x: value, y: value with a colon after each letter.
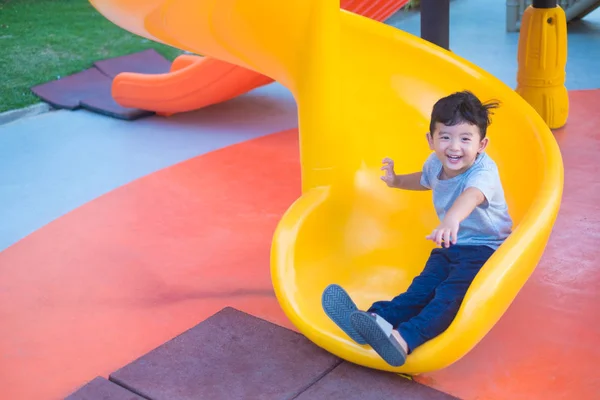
x: 420, y: 292
x: 381, y: 336
x: 466, y: 261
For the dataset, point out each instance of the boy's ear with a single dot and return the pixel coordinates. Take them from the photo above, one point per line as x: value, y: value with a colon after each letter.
x: 483, y: 144
x: 429, y: 140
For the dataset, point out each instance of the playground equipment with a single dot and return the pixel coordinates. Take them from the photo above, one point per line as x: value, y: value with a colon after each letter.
x: 542, y: 59
x: 574, y: 10
x: 195, y: 82
x: 364, y: 91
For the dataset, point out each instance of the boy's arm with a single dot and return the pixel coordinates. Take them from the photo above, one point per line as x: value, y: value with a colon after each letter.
x: 464, y: 204
x: 409, y: 182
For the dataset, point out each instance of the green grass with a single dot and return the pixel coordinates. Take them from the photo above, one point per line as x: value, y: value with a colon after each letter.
x: 413, y: 4
x: 41, y: 40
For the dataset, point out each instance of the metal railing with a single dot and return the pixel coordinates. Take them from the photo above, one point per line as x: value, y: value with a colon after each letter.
x: 573, y: 9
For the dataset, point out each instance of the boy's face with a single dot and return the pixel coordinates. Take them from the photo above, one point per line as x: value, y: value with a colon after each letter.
x: 456, y: 146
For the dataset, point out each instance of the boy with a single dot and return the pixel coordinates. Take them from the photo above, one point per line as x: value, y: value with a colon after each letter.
x: 469, y: 201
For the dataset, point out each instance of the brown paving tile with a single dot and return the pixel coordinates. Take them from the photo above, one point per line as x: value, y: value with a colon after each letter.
x: 231, y: 355
x: 102, y: 389
x: 352, y: 382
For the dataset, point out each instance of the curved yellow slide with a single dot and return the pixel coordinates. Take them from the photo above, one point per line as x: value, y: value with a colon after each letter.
x: 365, y: 91
x: 195, y: 82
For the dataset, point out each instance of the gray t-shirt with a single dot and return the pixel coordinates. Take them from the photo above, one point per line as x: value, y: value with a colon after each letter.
x: 489, y: 224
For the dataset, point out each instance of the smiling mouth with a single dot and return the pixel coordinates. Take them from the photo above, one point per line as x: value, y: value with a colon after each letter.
x: 454, y: 158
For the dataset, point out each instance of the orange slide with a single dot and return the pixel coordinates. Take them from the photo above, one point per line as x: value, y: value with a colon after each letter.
x: 195, y: 82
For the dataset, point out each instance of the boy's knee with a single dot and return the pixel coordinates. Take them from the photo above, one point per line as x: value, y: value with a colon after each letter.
x: 448, y: 293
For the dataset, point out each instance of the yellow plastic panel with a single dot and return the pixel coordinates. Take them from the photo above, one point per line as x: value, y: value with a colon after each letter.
x: 365, y: 91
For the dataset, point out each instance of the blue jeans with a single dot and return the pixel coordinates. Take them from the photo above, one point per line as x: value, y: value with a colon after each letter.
x: 432, y: 300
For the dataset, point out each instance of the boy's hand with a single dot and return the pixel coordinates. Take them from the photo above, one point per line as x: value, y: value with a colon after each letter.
x: 390, y: 176
x: 447, y: 232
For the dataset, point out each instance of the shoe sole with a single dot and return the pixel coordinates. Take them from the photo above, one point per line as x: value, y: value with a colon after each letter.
x: 338, y: 306
x: 383, y: 343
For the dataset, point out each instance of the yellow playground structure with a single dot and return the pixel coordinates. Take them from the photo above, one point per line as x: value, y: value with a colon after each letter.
x: 364, y: 91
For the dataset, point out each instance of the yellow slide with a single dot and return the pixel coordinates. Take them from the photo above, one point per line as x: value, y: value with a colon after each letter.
x: 364, y: 92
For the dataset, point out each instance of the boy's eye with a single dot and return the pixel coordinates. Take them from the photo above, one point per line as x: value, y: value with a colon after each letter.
x: 466, y: 139
x: 445, y: 138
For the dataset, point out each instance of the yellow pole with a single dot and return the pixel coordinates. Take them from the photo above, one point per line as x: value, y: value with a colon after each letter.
x: 542, y: 59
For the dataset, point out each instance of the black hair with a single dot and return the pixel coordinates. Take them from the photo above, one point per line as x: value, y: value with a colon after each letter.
x: 462, y: 107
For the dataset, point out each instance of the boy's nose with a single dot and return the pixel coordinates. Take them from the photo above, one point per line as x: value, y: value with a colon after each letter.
x: 455, y: 145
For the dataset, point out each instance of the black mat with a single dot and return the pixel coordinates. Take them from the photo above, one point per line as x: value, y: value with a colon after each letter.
x: 102, y: 389
x: 231, y: 355
x: 353, y: 382
x: 68, y: 91
x: 91, y: 89
x: 144, y: 62
x: 102, y: 102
